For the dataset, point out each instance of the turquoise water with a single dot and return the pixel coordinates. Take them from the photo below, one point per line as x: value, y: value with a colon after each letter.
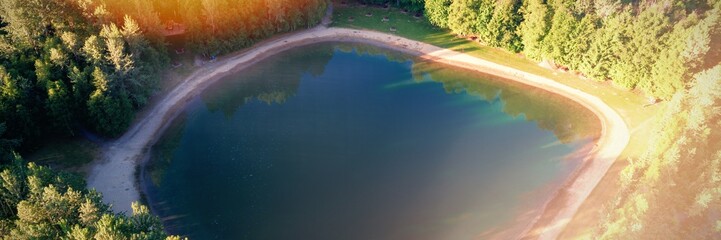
x: 340, y: 141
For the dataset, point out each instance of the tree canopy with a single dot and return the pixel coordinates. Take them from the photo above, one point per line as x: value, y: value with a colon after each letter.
x: 38, y: 203
x: 71, y: 65
x: 671, y: 191
x: 63, y: 70
x: 653, y: 46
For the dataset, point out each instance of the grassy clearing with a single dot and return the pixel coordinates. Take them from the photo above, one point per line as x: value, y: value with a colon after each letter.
x: 67, y: 154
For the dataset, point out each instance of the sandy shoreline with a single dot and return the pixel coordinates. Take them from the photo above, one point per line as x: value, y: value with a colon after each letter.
x: 114, y: 174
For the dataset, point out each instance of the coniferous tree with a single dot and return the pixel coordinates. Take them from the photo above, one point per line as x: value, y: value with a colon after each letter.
x: 557, y: 43
x: 535, y: 26
x: 603, y: 49
x: 464, y: 17
x: 502, y: 28
x: 643, y: 41
x: 38, y: 203
x: 437, y: 12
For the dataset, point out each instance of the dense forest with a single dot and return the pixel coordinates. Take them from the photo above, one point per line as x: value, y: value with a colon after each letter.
x: 220, y: 26
x: 652, y: 46
x: 672, y: 191
x: 37, y: 203
x: 75, y: 65
x: 64, y: 68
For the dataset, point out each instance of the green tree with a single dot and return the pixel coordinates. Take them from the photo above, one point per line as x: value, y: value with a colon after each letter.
x: 38, y: 203
x: 60, y: 108
x: 503, y: 24
x: 437, y: 12
x: 25, y: 22
x: 643, y: 41
x: 116, y: 55
x: 678, y: 173
x: 536, y: 24
x: 557, y: 43
x: 16, y: 106
x: 93, y: 50
x: 581, y: 39
x: 604, y: 48
x: 147, y: 19
x: 687, y: 45
x: 110, y: 109
x: 147, y: 63
x: 82, y: 88
x: 464, y: 17
x: 486, y: 9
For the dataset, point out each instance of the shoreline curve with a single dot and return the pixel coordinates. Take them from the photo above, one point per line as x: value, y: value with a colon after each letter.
x: 114, y: 173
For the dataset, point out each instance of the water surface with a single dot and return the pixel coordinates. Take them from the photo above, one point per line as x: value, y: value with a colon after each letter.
x: 340, y: 141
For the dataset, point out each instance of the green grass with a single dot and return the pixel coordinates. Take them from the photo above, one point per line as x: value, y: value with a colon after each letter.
x: 67, y: 154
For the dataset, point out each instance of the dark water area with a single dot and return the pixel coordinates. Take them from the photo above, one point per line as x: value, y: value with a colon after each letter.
x: 345, y: 141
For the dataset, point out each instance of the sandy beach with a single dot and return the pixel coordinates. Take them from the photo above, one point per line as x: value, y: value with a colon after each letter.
x: 114, y: 174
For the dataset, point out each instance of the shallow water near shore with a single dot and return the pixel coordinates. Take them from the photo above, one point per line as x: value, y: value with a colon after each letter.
x: 346, y: 141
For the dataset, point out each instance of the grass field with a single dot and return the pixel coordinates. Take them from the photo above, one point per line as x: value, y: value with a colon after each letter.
x: 67, y: 154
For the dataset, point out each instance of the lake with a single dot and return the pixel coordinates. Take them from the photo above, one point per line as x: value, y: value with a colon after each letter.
x: 351, y: 141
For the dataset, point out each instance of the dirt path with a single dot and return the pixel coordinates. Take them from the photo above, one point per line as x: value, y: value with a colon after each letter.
x: 114, y: 177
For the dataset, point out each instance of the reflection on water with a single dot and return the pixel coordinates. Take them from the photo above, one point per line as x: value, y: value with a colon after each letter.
x: 569, y: 122
x: 344, y: 141
x: 266, y: 85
